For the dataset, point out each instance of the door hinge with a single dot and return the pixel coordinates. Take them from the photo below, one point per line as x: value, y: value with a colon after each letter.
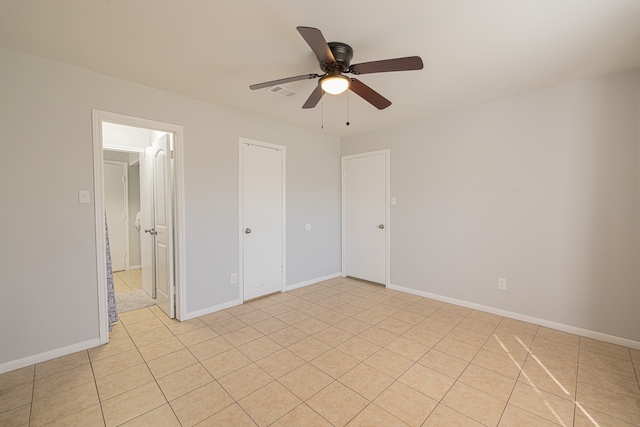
x: 172, y: 154
x: 123, y: 179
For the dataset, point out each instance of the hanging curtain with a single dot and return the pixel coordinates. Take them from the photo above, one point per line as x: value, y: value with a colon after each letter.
x: 111, y: 294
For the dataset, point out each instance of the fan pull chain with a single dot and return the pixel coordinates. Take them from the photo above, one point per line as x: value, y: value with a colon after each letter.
x: 347, y: 108
x: 322, y: 115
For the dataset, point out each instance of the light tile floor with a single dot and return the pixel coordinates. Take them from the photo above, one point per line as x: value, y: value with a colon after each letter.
x: 341, y: 352
x: 127, y: 280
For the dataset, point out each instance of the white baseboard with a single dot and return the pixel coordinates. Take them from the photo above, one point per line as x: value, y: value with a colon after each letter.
x: 233, y: 303
x: 134, y: 267
x: 312, y: 281
x: 210, y: 310
x: 84, y: 345
x: 48, y: 355
x: 542, y: 322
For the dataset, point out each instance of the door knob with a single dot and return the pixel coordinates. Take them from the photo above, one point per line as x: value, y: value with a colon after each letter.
x: 151, y: 231
x: 381, y: 226
x: 247, y: 231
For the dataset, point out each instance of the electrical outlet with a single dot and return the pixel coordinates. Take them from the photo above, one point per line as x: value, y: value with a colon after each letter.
x: 502, y: 283
x: 234, y: 278
x: 84, y: 196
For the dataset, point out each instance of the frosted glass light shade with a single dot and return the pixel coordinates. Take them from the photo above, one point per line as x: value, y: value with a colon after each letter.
x: 335, y: 85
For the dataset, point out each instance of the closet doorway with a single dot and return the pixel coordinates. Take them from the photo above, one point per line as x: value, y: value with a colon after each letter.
x: 262, y: 218
x: 365, y: 216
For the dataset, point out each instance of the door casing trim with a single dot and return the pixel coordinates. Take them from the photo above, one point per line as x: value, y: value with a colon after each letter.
x: 98, y: 117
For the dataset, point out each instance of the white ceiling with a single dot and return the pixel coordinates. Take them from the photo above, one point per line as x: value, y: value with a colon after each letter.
x: 212, y: 50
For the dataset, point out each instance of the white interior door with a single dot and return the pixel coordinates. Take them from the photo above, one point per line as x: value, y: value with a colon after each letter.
x: 115, y: 206
x: 262, y: 220
x: 365, y: 216
x: 163, y: 225
x: 146, y: 222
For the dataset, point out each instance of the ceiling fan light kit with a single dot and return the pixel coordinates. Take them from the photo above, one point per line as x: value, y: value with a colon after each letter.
x: 334, y: 59
x: 335, y: 84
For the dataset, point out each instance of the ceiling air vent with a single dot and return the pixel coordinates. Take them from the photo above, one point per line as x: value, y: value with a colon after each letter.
x: 282, y: 91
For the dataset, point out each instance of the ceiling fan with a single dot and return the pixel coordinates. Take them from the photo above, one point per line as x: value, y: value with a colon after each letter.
x: 334, y: 59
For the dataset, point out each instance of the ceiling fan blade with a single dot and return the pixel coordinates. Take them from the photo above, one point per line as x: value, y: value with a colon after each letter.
x: 386, y: 65
x: 369, y: 95
x: 314, y: 98
x: 285, y: 80
x: 317, y: 43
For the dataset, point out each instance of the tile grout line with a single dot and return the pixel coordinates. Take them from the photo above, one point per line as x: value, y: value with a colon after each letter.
x: 335, y: 347
x: 32, y: 401
x: 430, y: 347
x: 440, y: 401
x: 396, y: 380
x: 33, y: 390
x: 95, y: 384
x: 313, y: 300
x: 154, y: 377
x: 144, y: 361
x: 517, y: 380
x: 197, y: 363
x: 333, y: 379
x: 575, y: 396
x: 176, y: 335
x: 576, y: 403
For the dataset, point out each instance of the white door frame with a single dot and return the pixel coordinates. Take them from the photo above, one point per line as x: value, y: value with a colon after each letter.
x: 387, y: 228
x: 125, y: 171
x: 241, y: 212
x: 179, y: 224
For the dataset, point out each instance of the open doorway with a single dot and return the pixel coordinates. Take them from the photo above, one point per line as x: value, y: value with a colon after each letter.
x: 151, y: 262
x: 122, y: 189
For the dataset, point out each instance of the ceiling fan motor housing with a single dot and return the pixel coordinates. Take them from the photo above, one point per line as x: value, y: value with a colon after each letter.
x: 343, y: 53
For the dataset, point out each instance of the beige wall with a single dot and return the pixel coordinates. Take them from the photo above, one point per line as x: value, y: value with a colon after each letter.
x: 541, y: 189
x: 48, y: 260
